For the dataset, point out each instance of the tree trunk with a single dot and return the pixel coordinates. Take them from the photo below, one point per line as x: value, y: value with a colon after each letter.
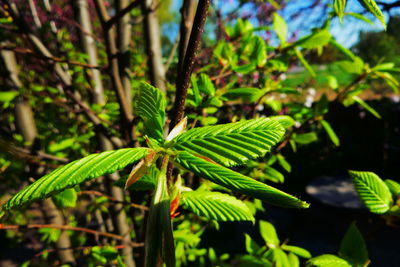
x: 124, y: 55
x: 118, y: 215
x: 153, y: 40
x: 27, y: 127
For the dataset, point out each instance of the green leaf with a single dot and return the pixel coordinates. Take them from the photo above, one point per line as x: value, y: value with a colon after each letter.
x: 331, y: 133
x: 372, y: 7
x: 237, y: 182
x: 66, y: 199
x: 150, y: 105
x: 342, y: 49
x: 298, y: 251
x: 280, y: 27
x: 354, y: 67
x: 76, y: 172
x: 293, y: 260
x: 339, y: 6
x: 314, y: 40
x: 259, y: 53
x: 273, y: 175
x: 360, y: 17
x: 304, y: 62
x: 8, y: 96
x: 305, y: 138
x: 205, y: 85
x: 251, y: 246
x: 249, y: 94
x: 372, y: 191
x: 353, y: 248
x: 61, y: 145
x: 327, y: 260
x: 216, y: 206
x: 233, y: 143
x: 279, y: 258
x: 284, y: 163
x: 159, y: 237
x: 268, y: 233
x: 366, y: 106
x: 253, y: 261
x: 284, y: 120
x: 393, y: 186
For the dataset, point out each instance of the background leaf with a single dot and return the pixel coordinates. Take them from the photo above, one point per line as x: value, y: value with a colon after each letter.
x: 372, y: 191
x: 268, y: 233
x: 353, y: 247
x: 372, y: 7
x: 150, y: 106
x: 327, y: 260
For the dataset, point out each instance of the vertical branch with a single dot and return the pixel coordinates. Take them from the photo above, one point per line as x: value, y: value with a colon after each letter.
x: 118, y: 214
x: 35, y: 15
x: 89, y: 47
x: 27, y: 127
x: 183, y: 79
x: 123, y: 42
x: 187, y: 14
x: 111, y: 49
x: 153, y: 45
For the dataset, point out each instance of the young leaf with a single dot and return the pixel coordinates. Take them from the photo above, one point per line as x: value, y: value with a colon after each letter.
x: 298, y: 251
x: 205, y: 85
x: 279, y: 258
x: 327, y: 260
x: 66, y: 199
x: 268, y: 233
x: 372, y: 191
x: 248, y: 94
x: 237, y: 182
x: 159, y: 237
x: 304, y: 62
x: 339, y: 6
x: 75, y: 173
x: 216, y: 206
x: 367, y: 107
x: 251, y: 246
x: 372, y: 7
x: 293, y: 260
x: 280, y: 27
x: 347, y: 52
x: 393, y: 186
x: 314, y: 40
x: 150, y: 106
x: 233, y: 143
x: 353, y: 248
x: 305, y: 138
x: 331, y: 133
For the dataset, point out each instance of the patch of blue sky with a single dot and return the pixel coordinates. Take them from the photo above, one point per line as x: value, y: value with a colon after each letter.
x: 346, y: 33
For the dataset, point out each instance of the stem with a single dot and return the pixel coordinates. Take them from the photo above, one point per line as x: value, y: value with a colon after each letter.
x: 69, y: 228
x: 188, y: 62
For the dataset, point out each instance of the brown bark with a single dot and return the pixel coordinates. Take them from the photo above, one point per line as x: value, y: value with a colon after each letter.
x: 124, y: 55
x: 27, y: 127
x: 153, y: 45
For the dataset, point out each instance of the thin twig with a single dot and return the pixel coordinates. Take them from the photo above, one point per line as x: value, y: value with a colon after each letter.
x: 45, y: 251
x: 110, y: 22
x: 97, y: 193
x: 53, y: 59
x: 68, y: 228
x: 111, y: 49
